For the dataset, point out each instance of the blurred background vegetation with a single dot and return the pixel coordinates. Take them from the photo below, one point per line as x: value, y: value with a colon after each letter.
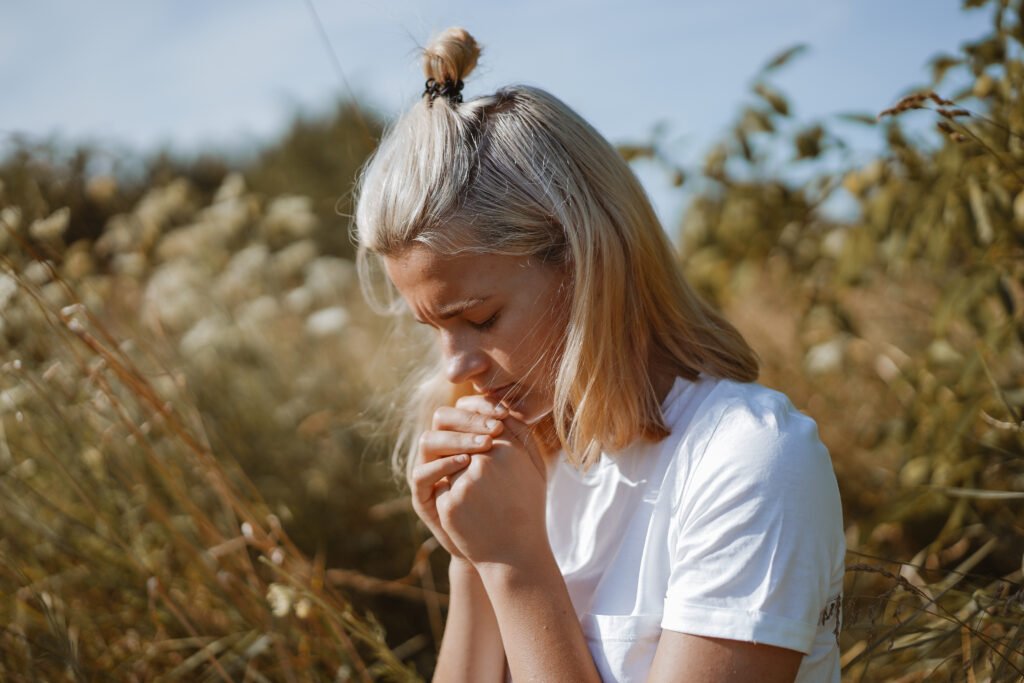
x: 192, y: 462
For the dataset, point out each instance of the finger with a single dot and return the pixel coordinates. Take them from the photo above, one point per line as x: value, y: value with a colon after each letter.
x: 523, y: 435
x: 426, y: 476
x: 437, y: 444
x: 483, y: 405
x: 461, y: 420
x: 455, y: 476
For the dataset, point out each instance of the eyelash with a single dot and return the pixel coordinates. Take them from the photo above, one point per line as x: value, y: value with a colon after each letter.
x: 485, y: 325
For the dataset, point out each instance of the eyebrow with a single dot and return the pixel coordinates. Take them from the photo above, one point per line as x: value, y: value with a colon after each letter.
x: 453, y: 309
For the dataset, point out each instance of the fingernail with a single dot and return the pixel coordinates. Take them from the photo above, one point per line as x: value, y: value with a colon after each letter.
x: 462, y: 459
x: 492, y: 424
x: 481, y: 440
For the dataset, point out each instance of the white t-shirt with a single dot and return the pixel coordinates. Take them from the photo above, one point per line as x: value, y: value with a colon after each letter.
x: 730, y: 527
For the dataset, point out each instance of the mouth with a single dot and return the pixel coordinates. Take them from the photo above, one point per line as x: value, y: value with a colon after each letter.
x: 499, y: 394
x: 512, y: 396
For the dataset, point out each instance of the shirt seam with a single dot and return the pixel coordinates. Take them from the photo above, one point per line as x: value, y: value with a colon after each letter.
x: 754, y: 625
x: 678, y: 503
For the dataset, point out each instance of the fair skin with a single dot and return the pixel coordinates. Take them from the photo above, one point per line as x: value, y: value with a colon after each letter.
x: 479, y: 483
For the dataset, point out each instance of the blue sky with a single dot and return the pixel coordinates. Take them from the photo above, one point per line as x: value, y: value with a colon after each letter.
x: 228, y: 73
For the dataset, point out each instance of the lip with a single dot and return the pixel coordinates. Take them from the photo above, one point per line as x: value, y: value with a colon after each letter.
x: 498, y: 394
x: 509, y: 395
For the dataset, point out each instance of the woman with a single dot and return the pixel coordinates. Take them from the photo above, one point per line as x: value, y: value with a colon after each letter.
x: 620, y: 499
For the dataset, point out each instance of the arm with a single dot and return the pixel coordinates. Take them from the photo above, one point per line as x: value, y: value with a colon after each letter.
x: 539, y: 627
x: 505, y: 538
x: 471, y: 649
x: 755, y: 556
x: 684, y: 657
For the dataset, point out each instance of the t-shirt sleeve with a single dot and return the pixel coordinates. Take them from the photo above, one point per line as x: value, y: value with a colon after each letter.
x: 757, y: 531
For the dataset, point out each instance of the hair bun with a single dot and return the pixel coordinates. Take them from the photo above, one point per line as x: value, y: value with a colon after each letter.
x: 451, y: 56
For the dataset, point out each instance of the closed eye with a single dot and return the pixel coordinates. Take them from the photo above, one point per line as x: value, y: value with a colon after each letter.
x: 485, y: 325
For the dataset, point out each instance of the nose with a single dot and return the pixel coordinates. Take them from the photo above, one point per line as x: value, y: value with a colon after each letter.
x: 463, y: 361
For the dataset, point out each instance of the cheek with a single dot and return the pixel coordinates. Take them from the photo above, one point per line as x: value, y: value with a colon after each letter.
x: 520, y: 347
x: 547, y: 344
x: 556, y: 323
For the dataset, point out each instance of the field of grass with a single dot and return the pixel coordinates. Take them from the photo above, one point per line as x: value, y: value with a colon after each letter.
x: 194, y: 398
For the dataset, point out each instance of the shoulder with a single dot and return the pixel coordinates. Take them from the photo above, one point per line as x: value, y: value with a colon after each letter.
x: 756, y: 531
x: 757, y: 420
x: 748, y: 439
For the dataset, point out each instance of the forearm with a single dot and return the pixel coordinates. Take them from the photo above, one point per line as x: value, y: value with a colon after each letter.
x: 471, y: 648
x: 541, y: 633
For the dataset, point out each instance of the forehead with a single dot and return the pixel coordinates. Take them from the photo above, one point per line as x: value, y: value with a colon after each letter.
x: 430, y: 278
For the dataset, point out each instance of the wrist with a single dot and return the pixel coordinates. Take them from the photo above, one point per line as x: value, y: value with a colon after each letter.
x: 461, y: 569
x: 533, y: 568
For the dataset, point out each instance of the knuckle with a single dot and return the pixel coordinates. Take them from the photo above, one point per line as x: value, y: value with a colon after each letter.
x: 474, y: 404
x: 456, y: 496
x: 416, y: 459
x: 445, y: 504
x: 478, y: 466
x: 421, y: 482
x: 425, y: 440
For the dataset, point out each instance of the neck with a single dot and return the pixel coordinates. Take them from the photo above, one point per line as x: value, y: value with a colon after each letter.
x: 663, y: 372
x: 662, y: 384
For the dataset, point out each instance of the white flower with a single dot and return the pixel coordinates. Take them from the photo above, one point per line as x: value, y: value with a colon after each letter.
x: 10, y: 220
x: 93, y: 459
x: 8, y: 288
x: 208, y: 238
x: 160, y: 207
x: 208, y: 334
x: 299, y: 300
x: 117, y: 236
x: 172, y: 295
x: 886, y: 368
x: 287, y: 265
x: 941, y: 352
x: 11, y: 217
x: 12, y: 399
x: 54, y: 294
x: 52, y: 227
x: 327, y: 321
x: 132, y: 264
x: 37, y: 272
x: 825, y: 357
x: 328, y: 278
x: 27, y: 468
x: 243, y: 276
x: 232, y: 187
x: 833, y: 243
x: 280, y: 598
x: 289, y: 218
x: 252, y: 315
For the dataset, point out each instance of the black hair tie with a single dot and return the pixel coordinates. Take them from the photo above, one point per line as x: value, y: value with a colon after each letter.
x: 451, y: 90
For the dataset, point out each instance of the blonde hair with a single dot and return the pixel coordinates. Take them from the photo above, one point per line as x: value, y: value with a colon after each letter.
x: 519, y: 173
